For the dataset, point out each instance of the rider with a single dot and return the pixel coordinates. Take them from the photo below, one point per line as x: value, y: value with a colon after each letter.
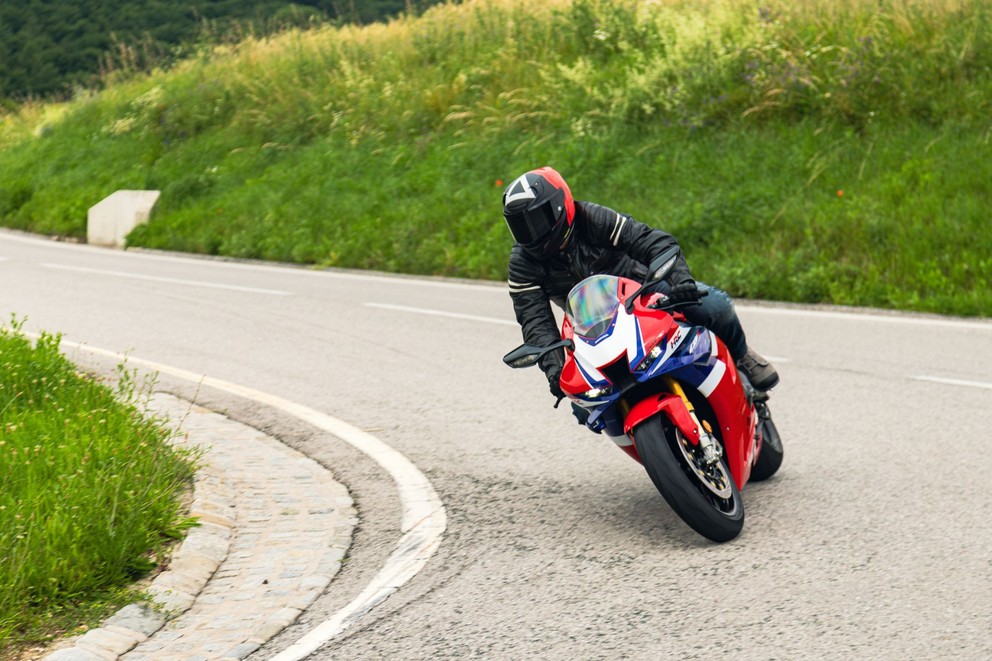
x: 559, y: 241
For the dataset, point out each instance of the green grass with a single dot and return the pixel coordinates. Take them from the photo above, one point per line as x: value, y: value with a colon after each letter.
x: 731, y: 123
x: 90, y: 491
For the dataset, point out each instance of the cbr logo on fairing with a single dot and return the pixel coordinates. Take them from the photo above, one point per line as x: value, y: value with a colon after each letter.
x: 695, y: 343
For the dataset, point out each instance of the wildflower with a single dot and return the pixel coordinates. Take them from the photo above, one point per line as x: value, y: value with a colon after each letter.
x: 840, y: 193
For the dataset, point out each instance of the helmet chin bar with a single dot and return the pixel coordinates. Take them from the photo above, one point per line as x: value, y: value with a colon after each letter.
x: 558, y: 240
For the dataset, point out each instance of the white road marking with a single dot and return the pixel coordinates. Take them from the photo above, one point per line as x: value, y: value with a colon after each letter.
x: 442, y: 313
x: 483, y: 285
x: 171, y: 281
x: 859, y: 316
x: 847, y: 316
x: 954, y: 382
x: 424, y: 516
x: 279, y: 268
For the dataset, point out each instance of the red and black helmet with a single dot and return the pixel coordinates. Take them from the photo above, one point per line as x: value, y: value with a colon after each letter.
x: 539, y: 210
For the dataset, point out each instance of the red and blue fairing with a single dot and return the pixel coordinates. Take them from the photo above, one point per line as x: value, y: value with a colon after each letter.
x: 619, y: 353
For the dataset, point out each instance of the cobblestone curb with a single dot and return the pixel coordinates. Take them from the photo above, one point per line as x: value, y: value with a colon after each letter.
x: 274, y: 527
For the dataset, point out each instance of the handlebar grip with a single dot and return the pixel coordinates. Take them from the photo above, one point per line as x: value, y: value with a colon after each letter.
x: 668, y: 305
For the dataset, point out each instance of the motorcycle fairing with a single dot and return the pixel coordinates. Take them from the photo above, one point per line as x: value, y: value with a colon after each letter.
x: 592, y: 353
x: 705, y: 370
x: 621, y: 339
x: 614, y: 326
x: 626, y: 339
x: 671, y: 405
x: 679, y: 352
x: 737, y: 423
x: 719, y: 381
x: 738, y: 420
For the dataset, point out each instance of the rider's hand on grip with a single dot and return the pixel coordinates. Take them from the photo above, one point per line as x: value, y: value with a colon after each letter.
x: 684, y: 292
x: 554, y: 377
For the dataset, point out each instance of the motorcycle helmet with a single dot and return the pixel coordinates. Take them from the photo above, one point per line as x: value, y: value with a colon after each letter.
x: 539, y: 210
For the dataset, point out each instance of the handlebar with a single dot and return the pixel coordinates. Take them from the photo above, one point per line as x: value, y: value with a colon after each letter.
x: 668, y: 305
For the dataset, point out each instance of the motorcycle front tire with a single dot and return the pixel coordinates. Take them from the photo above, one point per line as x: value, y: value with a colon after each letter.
x: 719, y: 519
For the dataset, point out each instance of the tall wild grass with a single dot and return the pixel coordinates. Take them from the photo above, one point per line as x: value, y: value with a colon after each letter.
x: 813, y: 151
x: 89, y: 489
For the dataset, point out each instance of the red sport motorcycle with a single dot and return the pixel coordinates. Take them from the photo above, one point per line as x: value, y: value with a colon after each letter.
x: 668, y: 393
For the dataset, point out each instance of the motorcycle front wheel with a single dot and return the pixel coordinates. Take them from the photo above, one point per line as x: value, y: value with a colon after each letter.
x: 703, y: 495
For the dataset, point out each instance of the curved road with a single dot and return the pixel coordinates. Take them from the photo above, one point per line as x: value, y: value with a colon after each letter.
x: 873, y: 541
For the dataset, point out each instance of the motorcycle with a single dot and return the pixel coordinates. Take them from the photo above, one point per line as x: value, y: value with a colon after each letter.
x: 668, y: 393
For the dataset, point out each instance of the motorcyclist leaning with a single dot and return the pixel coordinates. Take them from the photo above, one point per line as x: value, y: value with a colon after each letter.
x: 559, y: 241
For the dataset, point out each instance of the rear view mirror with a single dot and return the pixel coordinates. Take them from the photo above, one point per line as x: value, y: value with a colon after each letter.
x: 662, y: 265
x: 528, y: 354
x: 658, y: 269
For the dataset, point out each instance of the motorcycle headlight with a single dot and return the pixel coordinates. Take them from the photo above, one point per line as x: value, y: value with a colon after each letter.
x: 649, y: 358
x: 597, y: 393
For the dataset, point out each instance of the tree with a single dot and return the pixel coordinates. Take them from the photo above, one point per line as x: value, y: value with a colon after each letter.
x: 49, y: 46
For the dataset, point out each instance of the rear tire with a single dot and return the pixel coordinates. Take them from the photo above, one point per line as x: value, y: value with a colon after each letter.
x: 705, y: 497
x: 770, y: 456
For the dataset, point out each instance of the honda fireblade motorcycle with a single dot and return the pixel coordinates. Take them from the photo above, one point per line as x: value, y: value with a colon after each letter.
x: 668, y: 393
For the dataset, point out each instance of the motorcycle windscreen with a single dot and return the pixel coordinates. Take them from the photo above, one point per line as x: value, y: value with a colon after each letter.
x: 592, y: 304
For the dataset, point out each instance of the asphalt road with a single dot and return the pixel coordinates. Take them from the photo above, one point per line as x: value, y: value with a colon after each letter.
x: 873, y: 541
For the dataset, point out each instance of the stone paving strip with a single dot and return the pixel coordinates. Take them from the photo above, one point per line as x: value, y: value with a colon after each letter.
x: 274, y: 528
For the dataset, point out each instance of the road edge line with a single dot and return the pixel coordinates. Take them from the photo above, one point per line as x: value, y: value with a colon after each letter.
x: 424, y: 515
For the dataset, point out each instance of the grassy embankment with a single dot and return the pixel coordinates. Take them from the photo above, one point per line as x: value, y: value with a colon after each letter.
x: 802, y: 151
x: 90, y: 492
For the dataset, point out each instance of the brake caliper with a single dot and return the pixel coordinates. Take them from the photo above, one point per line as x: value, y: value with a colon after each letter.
x: 711, y: 448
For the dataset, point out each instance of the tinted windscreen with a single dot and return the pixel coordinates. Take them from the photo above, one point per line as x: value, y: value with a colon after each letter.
x: 592, y: 304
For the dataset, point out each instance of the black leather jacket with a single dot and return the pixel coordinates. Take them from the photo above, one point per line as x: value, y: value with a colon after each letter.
x: 604, y: 242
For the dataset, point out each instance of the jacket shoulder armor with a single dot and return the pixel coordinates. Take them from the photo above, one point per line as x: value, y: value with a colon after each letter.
x: 600, y: 225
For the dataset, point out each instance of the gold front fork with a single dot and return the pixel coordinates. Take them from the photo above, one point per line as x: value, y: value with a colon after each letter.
x: 676, y: 389
x: 709, y: 445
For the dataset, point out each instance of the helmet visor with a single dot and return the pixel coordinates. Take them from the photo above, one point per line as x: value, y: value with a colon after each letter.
x: 529, y: 227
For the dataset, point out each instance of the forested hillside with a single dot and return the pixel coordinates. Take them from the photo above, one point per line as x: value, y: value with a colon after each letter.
x: 48, y: 47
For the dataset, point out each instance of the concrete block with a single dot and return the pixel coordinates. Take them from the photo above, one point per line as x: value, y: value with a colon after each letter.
x: 111, y: 219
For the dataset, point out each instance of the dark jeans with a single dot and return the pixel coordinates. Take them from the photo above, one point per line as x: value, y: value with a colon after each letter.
x: 716, y: 312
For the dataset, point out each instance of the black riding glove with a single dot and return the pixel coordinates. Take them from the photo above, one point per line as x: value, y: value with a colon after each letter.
x: 684, y: 292
x: 554, y: 385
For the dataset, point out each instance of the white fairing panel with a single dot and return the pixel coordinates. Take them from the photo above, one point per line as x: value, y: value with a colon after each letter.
x: 623, y: 339
x: 719, y: 369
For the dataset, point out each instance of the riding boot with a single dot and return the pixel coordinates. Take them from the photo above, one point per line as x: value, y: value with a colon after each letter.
x: 758, y: 370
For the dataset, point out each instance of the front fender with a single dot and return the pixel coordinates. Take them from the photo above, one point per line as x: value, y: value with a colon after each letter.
x: 672, y: 406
